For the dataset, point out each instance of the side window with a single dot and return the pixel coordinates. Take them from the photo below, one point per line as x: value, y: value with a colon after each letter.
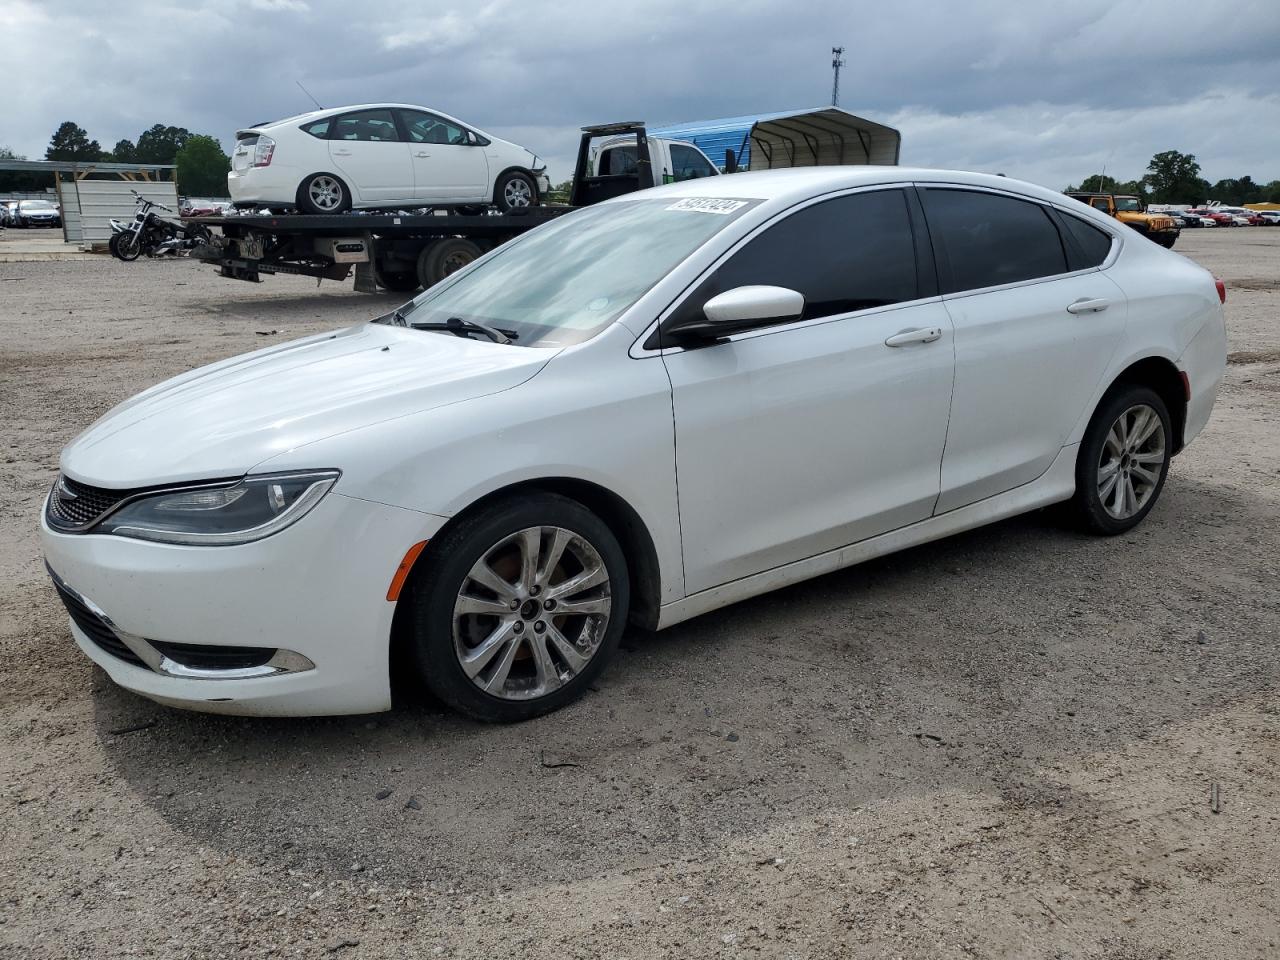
x: 319, y: 129
x: 1100, y: 203
x: 1094, y: 244
x: 850, y: 253
x: 377, y: 126
x: 618, y: 161
x: 687, y: 163
x: 425, y: 128
x: 992, y: 239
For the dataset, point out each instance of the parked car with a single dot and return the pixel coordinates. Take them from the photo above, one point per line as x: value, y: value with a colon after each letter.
x: 1271, y: 218
x: 641, y: 411
x: 37, y: 213
x: 1130, y: 210
x: 1186, y: 218
x: 1218, y: 217
x: 380, y: 155
x: 1244, y: 216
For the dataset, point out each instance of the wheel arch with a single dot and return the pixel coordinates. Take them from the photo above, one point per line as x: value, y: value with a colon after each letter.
x: 1161, y: 375
x: 644, y: 573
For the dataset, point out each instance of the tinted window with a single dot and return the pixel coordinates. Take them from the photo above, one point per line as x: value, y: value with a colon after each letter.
x: 318, y: 129
x: 372, y: 125
x: 425, y: 128
x: 1094, y: 244
x: 617, y: 161
x: 687, y: 163
x: 850, y: 253
x: 991, y: 239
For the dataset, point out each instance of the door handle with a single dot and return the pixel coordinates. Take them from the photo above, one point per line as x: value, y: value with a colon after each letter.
x: 421, y: 154
x: 1085, y: 305
x: 923, y: 335
x: 342, y: 153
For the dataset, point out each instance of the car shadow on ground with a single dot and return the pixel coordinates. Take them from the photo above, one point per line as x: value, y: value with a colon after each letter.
x: 959, y: 664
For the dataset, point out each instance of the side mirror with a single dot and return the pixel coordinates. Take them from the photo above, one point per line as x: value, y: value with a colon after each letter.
x: 743, y: 308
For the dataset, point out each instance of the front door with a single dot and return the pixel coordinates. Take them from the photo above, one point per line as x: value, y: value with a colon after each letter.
x: 797, y: 439
x: 366, y: 148
x: 448, y: 165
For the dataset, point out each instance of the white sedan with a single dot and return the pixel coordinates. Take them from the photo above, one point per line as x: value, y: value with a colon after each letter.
x: 380, y: 155
x: 637, y: 413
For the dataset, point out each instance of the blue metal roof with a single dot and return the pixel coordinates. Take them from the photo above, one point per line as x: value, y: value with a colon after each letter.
x: 713, y: 137
x: 790, y: 137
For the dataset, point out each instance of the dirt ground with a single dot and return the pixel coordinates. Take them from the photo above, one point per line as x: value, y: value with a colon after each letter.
x: 1000, y: 745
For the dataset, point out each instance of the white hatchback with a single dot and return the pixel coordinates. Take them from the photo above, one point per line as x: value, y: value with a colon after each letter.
x: 638, y: 412
x: 380, y: 155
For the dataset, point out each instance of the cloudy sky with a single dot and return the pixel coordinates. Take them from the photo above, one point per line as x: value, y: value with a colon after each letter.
x: 1048, y: 92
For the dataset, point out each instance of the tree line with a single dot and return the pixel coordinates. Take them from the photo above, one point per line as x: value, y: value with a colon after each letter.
x: 1174, y: 178
x: 201, y: 163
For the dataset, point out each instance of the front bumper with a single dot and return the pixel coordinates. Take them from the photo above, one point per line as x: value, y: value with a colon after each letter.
x: 315, y: 593
x: 544, y: 184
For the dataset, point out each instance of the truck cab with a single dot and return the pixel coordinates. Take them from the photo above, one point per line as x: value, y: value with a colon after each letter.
x: 620, y: 158
x: 673, y: 160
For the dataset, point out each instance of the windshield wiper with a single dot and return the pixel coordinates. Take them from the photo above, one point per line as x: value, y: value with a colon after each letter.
x: 460, y: 327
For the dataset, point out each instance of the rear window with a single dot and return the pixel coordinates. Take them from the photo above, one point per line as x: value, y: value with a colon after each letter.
x: 1093, y: 244
x: 318, y: 129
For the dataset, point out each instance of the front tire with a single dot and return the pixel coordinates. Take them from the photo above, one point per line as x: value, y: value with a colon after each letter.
x: 518, y: 608
x: 515, y: 191
x: 1123, y: 461
x: 126, y: 246
x: 323, y: 193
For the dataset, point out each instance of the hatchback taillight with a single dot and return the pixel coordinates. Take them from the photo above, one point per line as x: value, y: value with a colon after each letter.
x: 1222, y: 290
x: 263, y: 151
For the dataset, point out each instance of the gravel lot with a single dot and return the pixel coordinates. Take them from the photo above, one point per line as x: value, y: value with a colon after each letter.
x: 1001, y: 745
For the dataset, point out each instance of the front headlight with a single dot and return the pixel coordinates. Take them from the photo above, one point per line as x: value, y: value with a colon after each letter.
x: 251, y: 509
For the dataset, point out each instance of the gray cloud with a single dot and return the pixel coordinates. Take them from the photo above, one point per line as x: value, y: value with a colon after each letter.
x: 1045, y: 92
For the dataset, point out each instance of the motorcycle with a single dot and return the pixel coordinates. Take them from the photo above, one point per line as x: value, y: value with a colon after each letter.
x: 153, y: 234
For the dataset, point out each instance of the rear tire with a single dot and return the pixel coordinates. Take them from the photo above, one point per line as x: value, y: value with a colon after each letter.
x: 323, y: 193
x: 501, y: 663
x: 397, y: 281
x: 1123, y: 461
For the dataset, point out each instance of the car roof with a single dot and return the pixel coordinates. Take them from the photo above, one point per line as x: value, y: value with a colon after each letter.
x: 797, y: 183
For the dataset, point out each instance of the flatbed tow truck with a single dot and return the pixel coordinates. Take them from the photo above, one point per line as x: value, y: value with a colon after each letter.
x: 404, y: 251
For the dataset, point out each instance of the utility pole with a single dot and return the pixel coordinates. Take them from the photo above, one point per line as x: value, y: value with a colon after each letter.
x: 837, y: 61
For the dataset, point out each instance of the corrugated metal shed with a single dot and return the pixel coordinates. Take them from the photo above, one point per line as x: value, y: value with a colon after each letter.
x: 820, y: 136
x: 100, y: 200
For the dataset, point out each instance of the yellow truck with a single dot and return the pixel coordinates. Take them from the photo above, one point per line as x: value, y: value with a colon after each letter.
x: 1162, y: 229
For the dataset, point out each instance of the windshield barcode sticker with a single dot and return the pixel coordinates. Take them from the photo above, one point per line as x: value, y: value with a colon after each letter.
x: 708, y: 205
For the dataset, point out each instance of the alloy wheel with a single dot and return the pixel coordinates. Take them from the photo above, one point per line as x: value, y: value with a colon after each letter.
x: 325, y: 193
x: 1131, y: 463
x: 517, y: 193
x: 531, y: 613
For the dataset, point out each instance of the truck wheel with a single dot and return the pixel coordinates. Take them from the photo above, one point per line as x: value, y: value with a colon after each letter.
x: 515, y: 191
x: 439, y: 259
x: 397, y: 281
x: 323, y: 193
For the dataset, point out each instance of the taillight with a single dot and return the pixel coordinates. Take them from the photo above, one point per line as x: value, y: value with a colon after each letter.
x: 263, y: 151
x: 1222, y: 290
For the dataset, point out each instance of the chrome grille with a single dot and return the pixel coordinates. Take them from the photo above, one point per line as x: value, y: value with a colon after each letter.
x: 75, y: 504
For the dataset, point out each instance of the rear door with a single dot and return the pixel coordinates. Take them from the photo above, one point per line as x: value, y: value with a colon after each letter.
x: 366, y: 149
x: 449, y: 164
x: 1036, y: 324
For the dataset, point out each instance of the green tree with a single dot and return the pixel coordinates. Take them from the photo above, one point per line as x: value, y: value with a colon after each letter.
x: 21, y: 179
x: 161, y: 144
x: 202, y: 167
x: 1174, y: 177
x: 123, y: 152
x: 1098, y: 183
x: 1271, y: 192
x: 71, y: 142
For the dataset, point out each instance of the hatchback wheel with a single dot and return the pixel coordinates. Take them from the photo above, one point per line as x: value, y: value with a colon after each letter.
x: 519, y: 608
x: 323, y: 193
x: 1123, y: 461
x: 515, y: 191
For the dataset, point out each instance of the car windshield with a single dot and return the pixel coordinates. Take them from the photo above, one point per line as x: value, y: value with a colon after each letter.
x: 565, y: 282
x: 1128, y: 204
x: 36, y: 205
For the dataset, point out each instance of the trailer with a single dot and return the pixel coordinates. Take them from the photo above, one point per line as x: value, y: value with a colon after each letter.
x: 404, y: 251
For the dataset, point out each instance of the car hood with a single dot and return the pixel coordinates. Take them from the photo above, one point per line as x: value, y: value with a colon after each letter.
x: 222, y: 420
